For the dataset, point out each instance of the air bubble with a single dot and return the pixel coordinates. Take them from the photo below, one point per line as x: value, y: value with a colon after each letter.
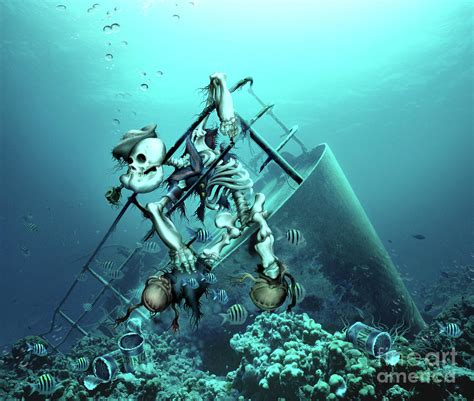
x: 159, y: 73
x: 124, y: 43
x: 115, y: 27
x: 107, y: 29
x: 144, y: 87
x: 116, y: 121
x: 109, y: 56
x: 61, y: 7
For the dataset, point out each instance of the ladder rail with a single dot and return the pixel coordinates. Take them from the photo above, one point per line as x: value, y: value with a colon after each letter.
x: 107, y: 284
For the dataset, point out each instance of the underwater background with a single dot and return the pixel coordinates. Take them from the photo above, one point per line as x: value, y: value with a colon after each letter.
x: 387, y: 84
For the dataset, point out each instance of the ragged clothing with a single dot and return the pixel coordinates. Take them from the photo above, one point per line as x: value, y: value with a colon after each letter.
x: 183, y: 178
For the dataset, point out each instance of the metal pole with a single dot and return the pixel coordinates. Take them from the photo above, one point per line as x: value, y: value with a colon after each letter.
x: 267, y: 148
x: 278, y: 121
x: 91, y: 258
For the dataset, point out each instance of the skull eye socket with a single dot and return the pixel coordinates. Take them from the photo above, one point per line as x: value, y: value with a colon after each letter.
x: 141, y: 158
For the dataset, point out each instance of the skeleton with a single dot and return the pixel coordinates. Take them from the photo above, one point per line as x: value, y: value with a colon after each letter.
x: 228, y: 180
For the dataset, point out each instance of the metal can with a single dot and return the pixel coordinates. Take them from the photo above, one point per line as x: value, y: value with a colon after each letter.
x: 369, y: 339
x: 132, y: 347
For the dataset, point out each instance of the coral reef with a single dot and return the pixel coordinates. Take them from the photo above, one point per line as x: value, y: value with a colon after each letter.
x: 171, y: 372
x: 430, y: 339
x: 290, y: 356
x: 282, y: 356
x: 440, y: 294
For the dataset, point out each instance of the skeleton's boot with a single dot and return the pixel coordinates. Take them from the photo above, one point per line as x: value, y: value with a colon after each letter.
x: 270, y: 289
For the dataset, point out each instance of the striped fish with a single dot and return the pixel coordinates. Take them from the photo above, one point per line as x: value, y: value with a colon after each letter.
x: 201, y: 234
x: 31, y: 227
x: 220, y: 296
x: 451, y: 330
x: 294, y: 236
x: 192, y: 283
x: 115, y: 274
x: 108, y: 265
x: 36, y: 349
x: 149, y: 247
x: 300, y: 292
x: 209, y: 278
x: 81, y: 364
x: 236, y: 314
x: 46, y: 385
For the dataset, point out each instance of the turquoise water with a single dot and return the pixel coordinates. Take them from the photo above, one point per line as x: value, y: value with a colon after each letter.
x: 388, y: 85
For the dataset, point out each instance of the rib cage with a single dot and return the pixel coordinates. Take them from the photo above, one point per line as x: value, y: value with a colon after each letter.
x: 227, y: 178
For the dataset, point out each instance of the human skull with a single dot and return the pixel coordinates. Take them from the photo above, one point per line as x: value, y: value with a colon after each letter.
x: 145, y: 169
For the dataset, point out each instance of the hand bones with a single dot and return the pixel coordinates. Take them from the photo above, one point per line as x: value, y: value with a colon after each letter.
x: 224, y: 105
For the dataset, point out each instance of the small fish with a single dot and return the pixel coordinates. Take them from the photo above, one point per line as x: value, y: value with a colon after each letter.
x: 115, y: 274
x: 192, y: 282
x: 293, y: 236
x: 236, y: 314
x: 390, y: 241
x: 451, y: 330
x: 220, y: 296
x: 87, y: 307
x: 36, y: 349
x: 81, y: 364
x: 210, y: 278
x: 202, y: 235
x: 428, y: 307
x: 46, y: 385
x: 419, y: 236
x: 31, y: 227
x: 300, y: 292
x: 25, y: 251
x: 149, y: 247
x: 109, y: 265
x: 444, y: 274
x: 391, y: 357
x: 82, y: 276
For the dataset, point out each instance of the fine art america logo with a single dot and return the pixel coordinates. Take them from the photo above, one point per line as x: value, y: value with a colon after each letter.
x: 439, y: 362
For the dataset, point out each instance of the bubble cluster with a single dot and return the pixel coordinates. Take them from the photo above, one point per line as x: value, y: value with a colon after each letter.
x: 93, y: 7
x: 111, y: 28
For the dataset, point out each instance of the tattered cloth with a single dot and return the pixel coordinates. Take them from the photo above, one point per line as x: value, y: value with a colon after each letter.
x: 192, y: 173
